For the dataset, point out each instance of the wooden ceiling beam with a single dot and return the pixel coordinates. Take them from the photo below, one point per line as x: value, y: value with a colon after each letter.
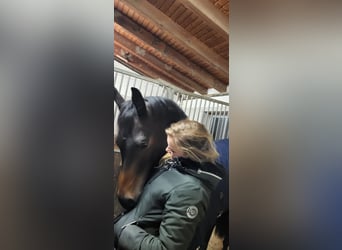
x: 213, y: 16
x: 166, y: 53
x: 124, y: 56
x: 167, y: 27
x: 166, y: 72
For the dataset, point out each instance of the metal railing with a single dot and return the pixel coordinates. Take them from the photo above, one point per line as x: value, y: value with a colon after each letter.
x: 211, y: 112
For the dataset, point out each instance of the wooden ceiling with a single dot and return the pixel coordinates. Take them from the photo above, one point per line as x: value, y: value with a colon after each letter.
x: 184, y: 42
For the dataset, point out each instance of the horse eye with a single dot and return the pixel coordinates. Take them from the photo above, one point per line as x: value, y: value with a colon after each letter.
x: 143, y: 144
x: 123, y: 139
x: 120, y: 141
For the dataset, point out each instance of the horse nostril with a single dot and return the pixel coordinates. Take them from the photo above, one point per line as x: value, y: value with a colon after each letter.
x: 127, y: 203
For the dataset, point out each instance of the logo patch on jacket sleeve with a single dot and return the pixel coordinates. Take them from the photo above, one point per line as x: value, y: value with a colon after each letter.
x: 192, y: 212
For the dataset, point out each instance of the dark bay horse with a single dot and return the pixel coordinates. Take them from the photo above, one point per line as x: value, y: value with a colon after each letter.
x: 142, y: 141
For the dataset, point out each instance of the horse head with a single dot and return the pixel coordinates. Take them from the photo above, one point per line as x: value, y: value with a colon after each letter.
x: 141, y: 139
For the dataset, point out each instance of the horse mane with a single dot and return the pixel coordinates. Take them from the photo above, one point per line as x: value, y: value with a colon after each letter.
x: 162, y: 108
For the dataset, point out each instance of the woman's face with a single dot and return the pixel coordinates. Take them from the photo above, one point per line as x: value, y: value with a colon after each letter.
x: 172, y: 148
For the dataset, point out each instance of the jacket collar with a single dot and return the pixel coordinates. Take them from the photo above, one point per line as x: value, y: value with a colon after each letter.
x: 207, y: 172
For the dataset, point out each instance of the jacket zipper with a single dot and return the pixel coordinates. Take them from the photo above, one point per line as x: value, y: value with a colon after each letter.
x: 130, y: 223
x: 199, y: 171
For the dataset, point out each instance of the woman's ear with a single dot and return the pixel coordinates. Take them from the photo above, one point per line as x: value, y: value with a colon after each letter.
x: 185, y: 154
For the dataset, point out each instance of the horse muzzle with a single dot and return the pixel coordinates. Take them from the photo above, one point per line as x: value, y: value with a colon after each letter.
x: 127, y: 203
x: 129, y: 188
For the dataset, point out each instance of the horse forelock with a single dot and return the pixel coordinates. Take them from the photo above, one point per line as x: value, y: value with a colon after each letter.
x: 127, y: 114
x: 127, y: 110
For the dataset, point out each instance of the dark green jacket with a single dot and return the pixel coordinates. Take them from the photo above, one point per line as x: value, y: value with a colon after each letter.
x: 170, y: 208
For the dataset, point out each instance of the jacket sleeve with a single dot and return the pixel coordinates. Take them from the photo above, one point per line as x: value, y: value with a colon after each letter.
x: 184, y: 209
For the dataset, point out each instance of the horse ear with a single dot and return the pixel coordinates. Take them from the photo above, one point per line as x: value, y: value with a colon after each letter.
x: 139, y: 102
x: 118, y: 98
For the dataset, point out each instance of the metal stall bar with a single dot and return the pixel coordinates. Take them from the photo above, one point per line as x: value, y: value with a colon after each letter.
x: 198, y: 111
x: 115, y: 79
x: 220, y: 129
x: 192, y: 110
x: 135, y: 82
x: 186, y: 105
x: 207, y: 111
x: 197, y: 107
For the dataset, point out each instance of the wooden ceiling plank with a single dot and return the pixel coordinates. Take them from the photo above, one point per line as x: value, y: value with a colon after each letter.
x: 203, y: 33
x: 190, y: 19
x: 177, y: 33
x: 149, y: 59
x: 165, y: 71
x: 222, y: 49
x: 220, y: 3
x: 225, y: 6
x: 208, y: 35
x: 159, y: 3
x: 212, y: 42
x: 180, y: 10
x: 142, y: 68
x: 166, y: 5
x: 166, y: 53
x: 209, y: 13
x: 152, y: 1
x: 126, y: 58
x: 193, y: 25
x: 171, y: 9
x: 181, y: 20
x: 198, y: 28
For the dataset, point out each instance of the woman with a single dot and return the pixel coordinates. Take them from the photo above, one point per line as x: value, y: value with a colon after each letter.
x: 175, y: 199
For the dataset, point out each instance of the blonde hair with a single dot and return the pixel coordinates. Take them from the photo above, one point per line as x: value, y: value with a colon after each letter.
x: 194, y: 140
x: 164, y: 158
